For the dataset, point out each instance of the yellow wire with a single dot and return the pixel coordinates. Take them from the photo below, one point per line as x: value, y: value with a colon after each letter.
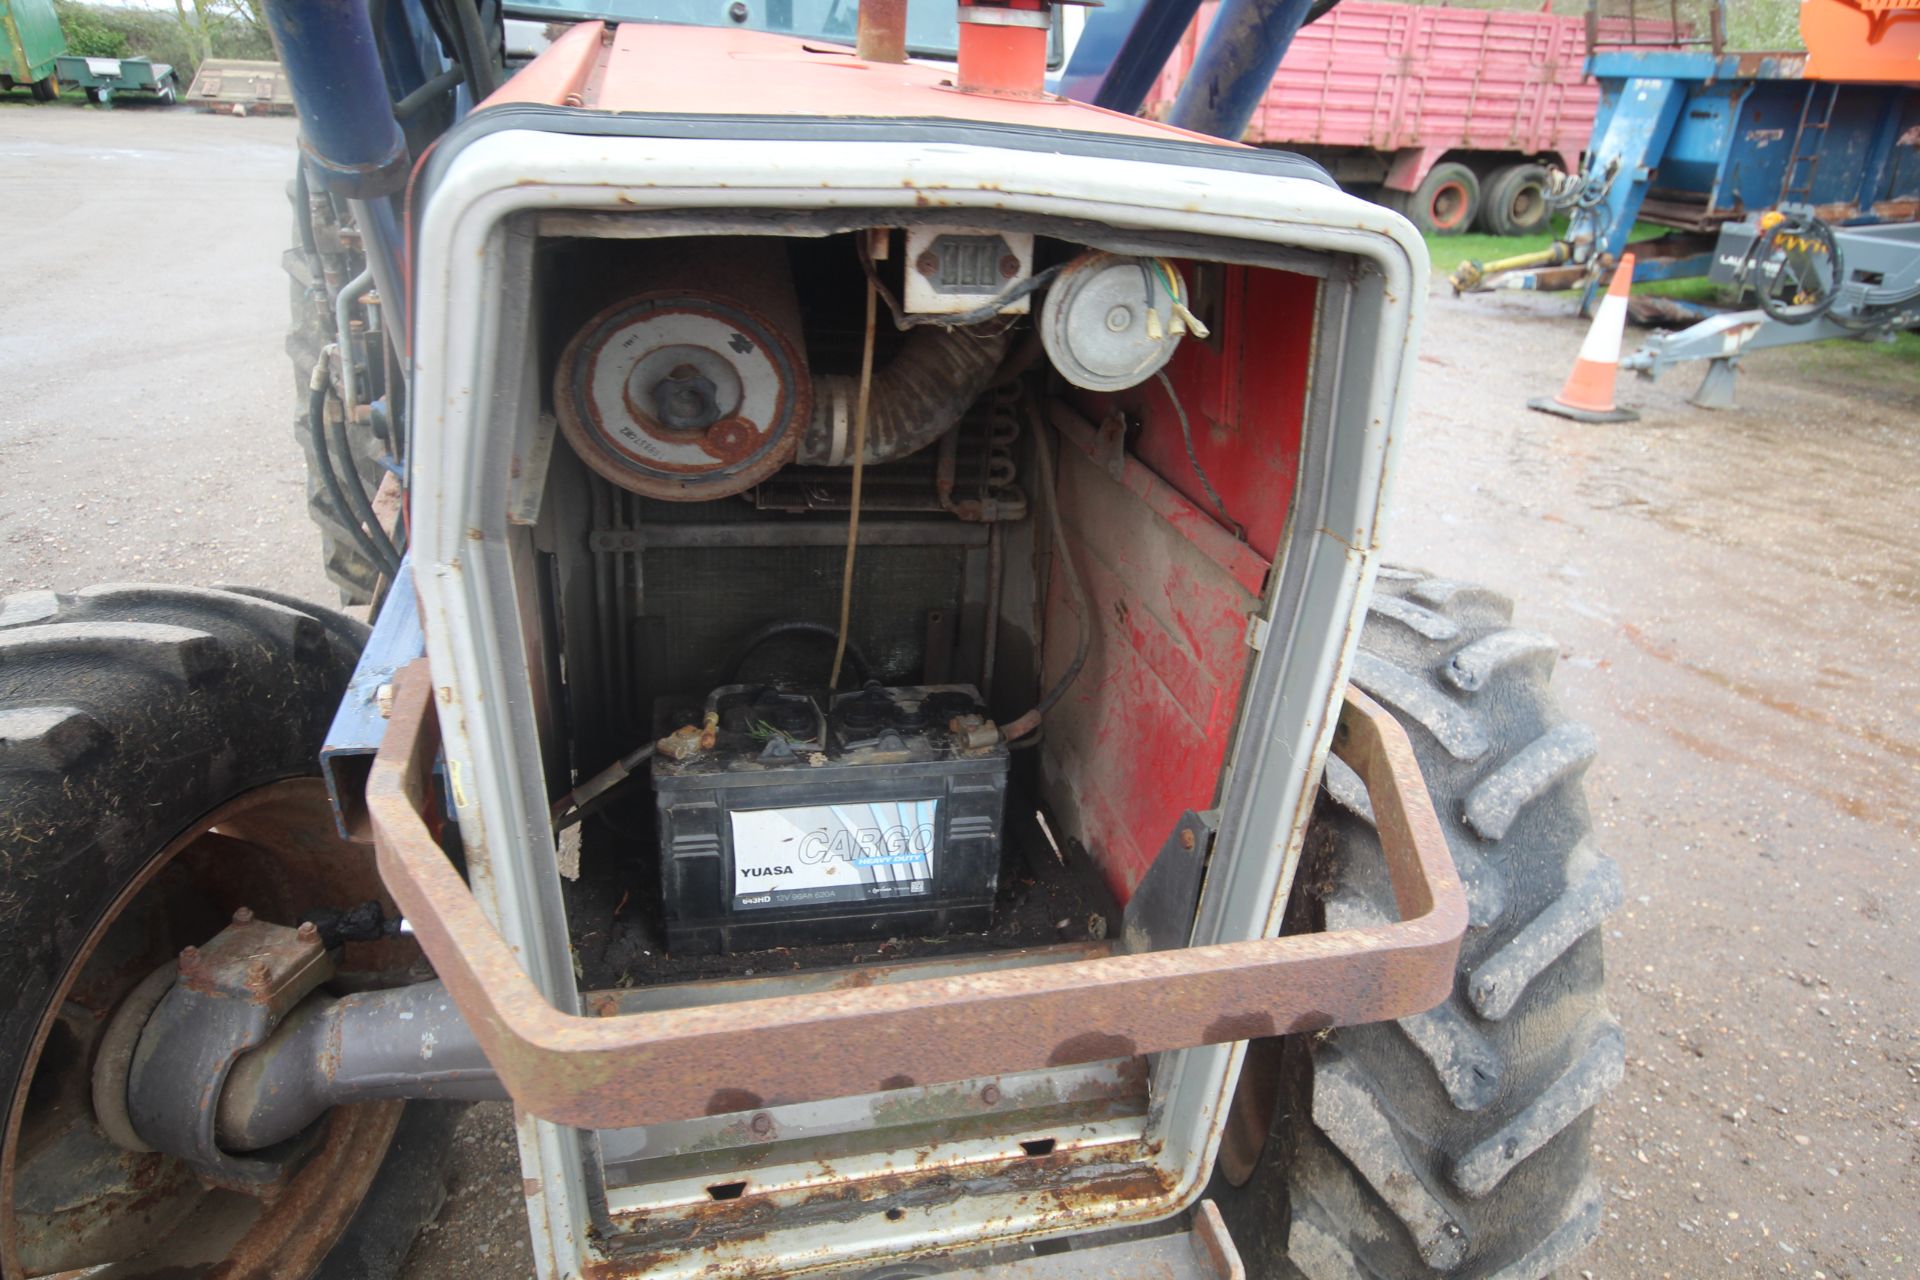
x: 859, y: 468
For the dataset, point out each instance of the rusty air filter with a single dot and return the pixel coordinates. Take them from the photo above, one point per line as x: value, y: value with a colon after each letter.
x: 689, y: 392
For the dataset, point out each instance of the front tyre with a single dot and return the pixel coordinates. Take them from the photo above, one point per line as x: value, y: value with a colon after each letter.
x: 158, y: 751
x: 1457, y: 1142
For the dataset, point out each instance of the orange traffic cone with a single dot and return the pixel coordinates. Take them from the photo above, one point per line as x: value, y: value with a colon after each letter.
x: 1588, y: 395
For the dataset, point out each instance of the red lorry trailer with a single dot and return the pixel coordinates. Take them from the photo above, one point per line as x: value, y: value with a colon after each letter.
x: 1448, y: 115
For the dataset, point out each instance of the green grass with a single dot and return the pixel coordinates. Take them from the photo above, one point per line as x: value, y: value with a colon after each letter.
x: 1449, y: 252
x: 1900, y: 358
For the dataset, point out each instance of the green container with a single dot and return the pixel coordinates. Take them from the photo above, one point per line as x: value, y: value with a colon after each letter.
x: 33, y: 41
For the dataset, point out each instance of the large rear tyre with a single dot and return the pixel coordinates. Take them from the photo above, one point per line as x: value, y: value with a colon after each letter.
x: 158, y: 747
x: 1455, y: 1143
x: 1514, y: 201
x: 1445, y: 204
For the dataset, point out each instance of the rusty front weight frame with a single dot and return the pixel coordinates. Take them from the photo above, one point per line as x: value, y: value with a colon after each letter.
x: 644, y: 1068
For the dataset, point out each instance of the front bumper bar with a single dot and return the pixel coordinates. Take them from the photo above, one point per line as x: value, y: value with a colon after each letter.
x: 645, y: 1068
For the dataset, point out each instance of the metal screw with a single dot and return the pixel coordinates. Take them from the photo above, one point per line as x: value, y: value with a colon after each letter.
x: 383, y: 700
x: 991, y: 1095
x: 928, y: 263
x: 243, y: 915
x: 1009, y: 266
x: 257, y: 974
x: 307, y: 932
x: 1186, y: 838
x: 762, y: 1123
x: 189, y: 958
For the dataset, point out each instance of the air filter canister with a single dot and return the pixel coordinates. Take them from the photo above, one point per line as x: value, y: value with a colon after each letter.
x: 690, y: 391
x: 1110, y: 322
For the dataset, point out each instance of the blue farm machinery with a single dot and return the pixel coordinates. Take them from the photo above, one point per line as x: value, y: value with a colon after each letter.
x: 1793, y: 177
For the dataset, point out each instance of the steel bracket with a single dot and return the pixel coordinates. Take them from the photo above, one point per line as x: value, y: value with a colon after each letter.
x: 670, y: 1064
x: 1159, y: 915
x: 360, y: 722
x: 227, y: 999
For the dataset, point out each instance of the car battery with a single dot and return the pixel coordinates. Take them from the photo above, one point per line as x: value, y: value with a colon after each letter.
x: 789, y: 818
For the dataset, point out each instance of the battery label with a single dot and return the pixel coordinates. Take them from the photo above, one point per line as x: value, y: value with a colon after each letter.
x: 833, y: 853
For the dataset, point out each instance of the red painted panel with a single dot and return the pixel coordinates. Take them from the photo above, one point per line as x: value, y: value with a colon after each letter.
x: 1143, y: 733
x: 1245, y: 393
x: 1391, y: 76
x: 660, y: 68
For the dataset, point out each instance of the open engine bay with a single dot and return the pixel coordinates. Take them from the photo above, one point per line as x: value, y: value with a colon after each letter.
x: 1086, y: 621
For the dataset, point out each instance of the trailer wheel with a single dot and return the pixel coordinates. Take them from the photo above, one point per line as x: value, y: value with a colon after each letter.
x: 158, y: 750
x: 1514, y: 201
x: 46, y: 89
x: 1457, y: 1142
x: 1445, y: 204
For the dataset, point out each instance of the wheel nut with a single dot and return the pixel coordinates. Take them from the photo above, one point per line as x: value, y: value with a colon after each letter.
x: 257, y: 974
x: 243, y: 915
x: 307, y: 932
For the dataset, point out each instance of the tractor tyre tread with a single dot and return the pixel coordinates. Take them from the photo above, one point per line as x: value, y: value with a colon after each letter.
x: 1456, y: 1142
x: 309, y: 330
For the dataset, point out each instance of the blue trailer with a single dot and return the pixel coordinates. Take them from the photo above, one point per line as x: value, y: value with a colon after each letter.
x: 1693, y: 140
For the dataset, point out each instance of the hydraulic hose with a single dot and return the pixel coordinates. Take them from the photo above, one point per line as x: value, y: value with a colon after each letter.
x: 322, y: 459
x: 914, y: 401
x: 389, y: 557
x: 354, y: 290
x: 478, y: 48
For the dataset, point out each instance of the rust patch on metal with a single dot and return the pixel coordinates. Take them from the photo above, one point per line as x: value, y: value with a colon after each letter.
x: 1245, y: 1026
x: 649, y: 1241
x: 727, y: 1101
x: 643, y: 1068
x: 1091, y: 1046
x: 1256, y: 1099
x: 299, y: 1226
x: 1311, y: 1020
x: 730, y: 439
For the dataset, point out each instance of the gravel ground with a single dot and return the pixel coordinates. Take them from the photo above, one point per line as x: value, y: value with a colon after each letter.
x: 1737, y: 594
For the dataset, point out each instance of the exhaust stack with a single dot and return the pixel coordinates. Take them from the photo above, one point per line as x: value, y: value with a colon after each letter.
x: 1003, y: 48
